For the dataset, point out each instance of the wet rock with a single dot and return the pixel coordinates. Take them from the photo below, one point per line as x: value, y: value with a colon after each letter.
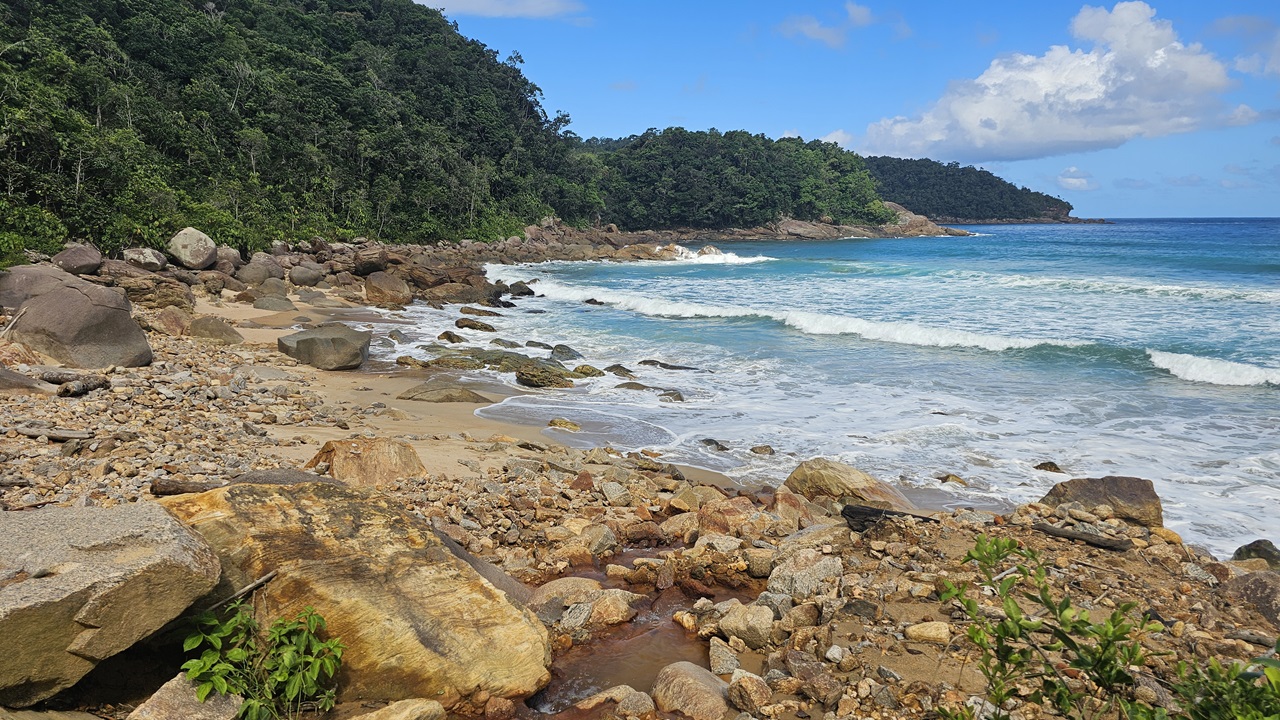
x: 473, y: 324
x: 177, y: 699
x: 417, y: 620
x: 450, y: 336
x: 83, y: 584
x: 565, y: 424
x: 520, y: 289
x: 714, y: 444
x: 78, y: 259
x: 435, y: 393
x: 369, y: 461
x: 762, y: 450
x: 146, y: 259
x: 215, y: 329
x: 192, y: 249
x: 620, y: 371
x: 629, y: 702
x: 382, y: 288
x: 541, y: 377
x: 500, y: 342
x: 588, y: 371
x: 692, y: 691
x: 1263, y: 549
x: 665, y: 366
x: 752, y: 624
x: 724, y: 661
x: 1130, y: 498
x: 930, y: 632
x: 415, y: 709
x: 564, y: 352
x: 332, y: 346
x: 478, y: 312
x: 1049, y: 466
x: 806, y: 573
x: 75, y: 322
x: 821, y: 477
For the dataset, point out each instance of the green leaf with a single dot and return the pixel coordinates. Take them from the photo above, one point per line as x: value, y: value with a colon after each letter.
x: 203, y: 690
x: 192, y: 642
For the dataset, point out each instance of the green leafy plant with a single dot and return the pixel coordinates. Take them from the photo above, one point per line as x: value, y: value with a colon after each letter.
x: 1058, y: 655
x: 278, y: 673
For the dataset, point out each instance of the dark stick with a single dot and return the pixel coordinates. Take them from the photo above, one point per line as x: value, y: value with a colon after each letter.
x: 1090, y: 538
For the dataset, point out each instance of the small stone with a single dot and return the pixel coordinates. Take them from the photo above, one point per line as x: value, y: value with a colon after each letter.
x: 930, y: 632
x: 564, y: 424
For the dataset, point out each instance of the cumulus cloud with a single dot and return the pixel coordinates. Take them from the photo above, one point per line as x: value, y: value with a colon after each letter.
x: 1073, y: 178
x: 1262, y: 38
x: 1136, y: 79
x: 808, y: 27
x: 507, y: 8
x: 839, y: 137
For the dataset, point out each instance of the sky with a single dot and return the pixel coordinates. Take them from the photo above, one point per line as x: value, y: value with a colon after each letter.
x: 1163, y: 108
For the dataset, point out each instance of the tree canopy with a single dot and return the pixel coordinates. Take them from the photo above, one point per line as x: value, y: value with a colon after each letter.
x: 951, y: 193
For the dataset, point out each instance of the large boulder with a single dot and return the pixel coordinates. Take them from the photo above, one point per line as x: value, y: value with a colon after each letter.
x: 383, y: 288
x: 306, y: 274
x: 369, y: 461
x: 331, y: 346
x: 821, y: 477
x: 417, y: 621
x: 1131, y: 498
x: 177, y: 699
x: 147, y: 259
x: 259, y: 269
x: 691, y: 691
x: 1261, y: 590
x: 78, y: 259
x: 78, y: 585
x: 157, y: 291
x: 74, y: 321
x: 215, y: 329
x: 193, y: 249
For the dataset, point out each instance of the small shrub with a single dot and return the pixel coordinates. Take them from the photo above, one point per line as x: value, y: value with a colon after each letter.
x: 278, y: 673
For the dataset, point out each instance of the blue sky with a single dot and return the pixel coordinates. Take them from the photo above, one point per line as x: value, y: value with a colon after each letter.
x: 1162, y: 108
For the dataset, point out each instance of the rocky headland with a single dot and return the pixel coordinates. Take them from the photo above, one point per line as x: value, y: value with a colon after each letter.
x: 180, y: 428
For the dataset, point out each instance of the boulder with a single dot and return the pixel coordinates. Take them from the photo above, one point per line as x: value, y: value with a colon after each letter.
x: 230, y: 256
x: 155, y: 291
x: 1131, y: 498
x: 564, y: 352
x: 74, y: 321
x: 691, y: 691
x: 369, y: 461
x: 331, y: 346
x: 415, y: 709
x: 1260, y: 590
x: 383, y: 288
x: 177, y: 699
x: 473, y: 324
x: 172, y: 320
x: 1262, y: 549
x: 146, y: 258
x: 214, y: 329
x: 417, y: 621
x: 274, y: 287
x: 78, y: 585
x: 629, y: 702
x: 806, y: 573
x: 750, y: 623
x: 116, y: 269
x: 192, y: 249
x: 78, y: 259
x: 821, y: 477
x: 306, y: 274
x: 749, y: 692
x: 259, y: 269
x: 436, y: 393
x: 537, y: 376
x: 274, y: 303
x: 18, y: 384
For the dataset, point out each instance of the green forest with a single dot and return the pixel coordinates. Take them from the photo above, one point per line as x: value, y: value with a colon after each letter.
x: 950, y: 193
x: 122, y: 121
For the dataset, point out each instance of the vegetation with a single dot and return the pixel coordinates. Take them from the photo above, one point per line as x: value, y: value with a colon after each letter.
x: 278, y: 673
x: 951, y: 193
x: 1057, y: 655
x: 122, y: 121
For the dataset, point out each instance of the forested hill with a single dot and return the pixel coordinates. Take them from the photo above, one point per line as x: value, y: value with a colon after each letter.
x: 950, y: 193
x: 122, y: 121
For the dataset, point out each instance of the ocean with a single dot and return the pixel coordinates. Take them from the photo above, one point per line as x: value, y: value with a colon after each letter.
x: 1144, y: 347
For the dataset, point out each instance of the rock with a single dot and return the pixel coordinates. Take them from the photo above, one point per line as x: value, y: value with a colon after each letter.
x: 177, y: 699
x: 1263, y: 549
x: 259, y: 269
x: 805, y: 574
x: 749, y: 692
x: 816, y: 682
x: 564, y: 424
x: 19, y: 384
x: 450, y: 336
x: 215, y: 329
x: 537, y: 376
x: 1259, y: 589
x: 78, y: 259
x: 435, y: 393
x: 564, y: 352
x: 279, y: 476
x: 562, y: 592
x: 193, y: 249
x: 415, y: 709
x: 274, y: 303
x: 417, y: 621
x: 82, y: 584
x: 155, y: 291
x: 369, y: 461
x: 1131, y: 498
x: 722, y: 658
x: 762, y: 450
x: 473, y: 324
x: 331, y: 346
x: 821, y: 477
x: 77, y: 323
x: 172, y: 321
x: 691, y: 691
x: 621, y: 371
x: 588, y: 371
x: 930, y: 632
x: 629, y: 702
x: 370, y: 259
x: 230, y: 256
x: 306, y: 274
x: 146, y: 258
x: 383, y: 288
x: 275, y: 287
x: 1049, y: 466
x: 520, y: 289
x: 750, y: 623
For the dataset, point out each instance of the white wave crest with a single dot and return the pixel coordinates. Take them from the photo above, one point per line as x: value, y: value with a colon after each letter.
x: 1122, y: 286
x: 810, y: 323
x: 1216, y: 372
x: 708, y: 255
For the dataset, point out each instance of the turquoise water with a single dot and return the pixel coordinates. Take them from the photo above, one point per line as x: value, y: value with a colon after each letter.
x: 1147, y: 347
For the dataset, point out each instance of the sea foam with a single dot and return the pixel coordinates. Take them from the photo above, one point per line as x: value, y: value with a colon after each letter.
x: 1216, y: 372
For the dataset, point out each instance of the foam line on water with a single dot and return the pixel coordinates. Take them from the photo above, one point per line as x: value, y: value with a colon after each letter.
x: 1209, y: 370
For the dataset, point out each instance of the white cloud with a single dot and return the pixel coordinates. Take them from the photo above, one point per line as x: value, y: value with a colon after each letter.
x: 1243, y: 115
x: 507, y: 8
x: 1073, y: 178
x: 1262, y: 36
x: 835, y: 34
x: 1135, y: 80
x: 795, y: 133
x: 839, y: 137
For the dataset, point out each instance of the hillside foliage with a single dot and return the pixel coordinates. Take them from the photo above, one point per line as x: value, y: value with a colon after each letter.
x: 951, y: 193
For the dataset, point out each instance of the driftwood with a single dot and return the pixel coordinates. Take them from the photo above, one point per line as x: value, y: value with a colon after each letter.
x: 245, y: 590
x: 57, y: 434
x: 860, y: 515
x: 172, y: 486
x: 76, y: 388
x: 1096, y: 540
x: 1252, y: 636
x: 14, y: 482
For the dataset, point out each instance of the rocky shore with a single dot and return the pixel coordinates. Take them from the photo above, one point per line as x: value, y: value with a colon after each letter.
x: 179, y: 428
